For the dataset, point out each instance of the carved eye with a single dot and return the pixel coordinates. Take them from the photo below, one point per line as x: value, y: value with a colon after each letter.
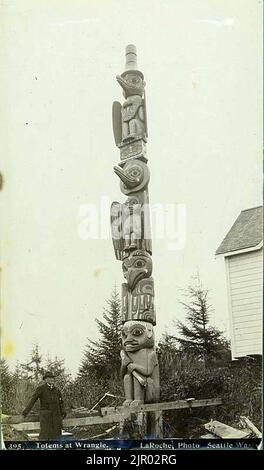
x: 135, y: 172
x: 135, y: 80
x: 139, y: 263
x: 138, y: 332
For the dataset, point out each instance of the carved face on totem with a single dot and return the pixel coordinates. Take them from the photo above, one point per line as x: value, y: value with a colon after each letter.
x: 134, y: 176
x: 132, y: 83
x: 137, y: 335
x: 137, y: 266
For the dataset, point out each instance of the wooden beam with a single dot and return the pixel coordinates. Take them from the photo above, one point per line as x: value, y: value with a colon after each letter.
x: 170, y: 405
x: 110, y: 414
x: 251, y: 426
x: 71, y: 422
x: 224, y: 431
x: 32, y: 418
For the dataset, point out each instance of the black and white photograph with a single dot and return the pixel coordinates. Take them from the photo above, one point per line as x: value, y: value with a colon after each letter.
x: 132, y: 225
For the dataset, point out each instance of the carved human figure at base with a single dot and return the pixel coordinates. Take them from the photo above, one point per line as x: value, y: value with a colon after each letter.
x: 139, y: 367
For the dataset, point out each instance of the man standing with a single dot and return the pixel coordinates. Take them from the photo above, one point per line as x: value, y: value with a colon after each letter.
x: 52, y: 409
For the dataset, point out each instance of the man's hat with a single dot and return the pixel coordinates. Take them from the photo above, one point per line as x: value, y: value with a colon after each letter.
x: 48, y: 375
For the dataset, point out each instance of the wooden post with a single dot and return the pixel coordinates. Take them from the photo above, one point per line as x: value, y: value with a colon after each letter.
x: 131, y: 235
x: 141, y: 423
x: 155, y: 425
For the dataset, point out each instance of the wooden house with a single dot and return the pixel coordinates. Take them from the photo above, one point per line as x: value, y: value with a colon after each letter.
x: 242, y: 249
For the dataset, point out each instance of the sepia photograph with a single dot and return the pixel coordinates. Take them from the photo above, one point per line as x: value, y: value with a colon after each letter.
x: 132, y: 225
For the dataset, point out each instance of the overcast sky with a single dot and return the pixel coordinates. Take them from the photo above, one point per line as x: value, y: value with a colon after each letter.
x: 202, y: 64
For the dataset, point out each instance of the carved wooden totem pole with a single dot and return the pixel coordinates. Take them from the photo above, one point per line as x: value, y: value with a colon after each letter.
x: 130, y: 224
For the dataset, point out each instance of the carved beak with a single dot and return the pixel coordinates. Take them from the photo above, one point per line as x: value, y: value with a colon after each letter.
x: 127, y: 180
x: 121, y: 82
x: 135, y: 276
x: 128, y: 88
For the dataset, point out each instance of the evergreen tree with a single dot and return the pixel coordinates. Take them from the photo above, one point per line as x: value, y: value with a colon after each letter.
x: 28, y: 375
x: 6, y: 386
x: 197, y: 337
x: 57, y: 367
x: 168, y: 354
x: 102, y: 357
x: 33, y: 369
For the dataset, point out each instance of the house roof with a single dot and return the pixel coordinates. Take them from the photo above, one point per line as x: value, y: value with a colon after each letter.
x: 246, y: 232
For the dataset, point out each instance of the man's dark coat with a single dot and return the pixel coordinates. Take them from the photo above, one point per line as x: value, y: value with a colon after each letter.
x: 51, y: 411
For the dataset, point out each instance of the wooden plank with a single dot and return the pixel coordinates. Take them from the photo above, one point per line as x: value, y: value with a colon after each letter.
x: 257, y: 267
x: 115, y: 415
x: 248, y: 340
x: 32, y: 418
x: 256, y: 294
x: 246, y: 303
x: 253, y: 320
x: 247, y: 320
x: 247, y: 260
x: 230, y: 316
x: 224, y: 431
x: 253, y: 345
x: 245, y: 330
x: 244, y: 283
x: 71, y: 422
x: 247, y: 313
x: 108, y: 431
x: 255, y: 280
x: 35, y: 435
x: 247, y: 298
x: 171, y: 405
x: 251, y: 426
x: 257, y: 261
x: 239, y: 278
x: 111, y: 418
x: 248, y: 267
x: 246, y: 277
x: 255, y: 309
x: 248, y: 350
x: 248, y: 331
x: 247, y: 288
x: 258, y: 283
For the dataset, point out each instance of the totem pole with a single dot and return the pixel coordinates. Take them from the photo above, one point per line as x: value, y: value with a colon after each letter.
x: 130, y: 225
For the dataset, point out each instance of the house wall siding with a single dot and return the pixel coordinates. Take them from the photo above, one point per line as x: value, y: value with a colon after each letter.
x: 245, y: 285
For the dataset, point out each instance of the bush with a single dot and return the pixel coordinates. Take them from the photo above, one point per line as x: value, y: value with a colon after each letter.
x: 238, y: 384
